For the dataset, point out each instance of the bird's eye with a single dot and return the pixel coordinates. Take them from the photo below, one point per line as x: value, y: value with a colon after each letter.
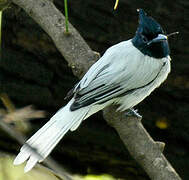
x: 144, y: 38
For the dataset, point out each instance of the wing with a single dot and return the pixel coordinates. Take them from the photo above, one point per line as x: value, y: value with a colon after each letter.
x: 121, y: 69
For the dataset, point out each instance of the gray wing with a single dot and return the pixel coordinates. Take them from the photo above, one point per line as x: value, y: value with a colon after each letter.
x: 121, y: 70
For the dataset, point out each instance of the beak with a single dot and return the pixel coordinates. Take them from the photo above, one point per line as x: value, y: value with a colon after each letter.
x: 159, y: 38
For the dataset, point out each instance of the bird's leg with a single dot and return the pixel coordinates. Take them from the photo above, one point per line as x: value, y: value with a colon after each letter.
x: 133, y: 112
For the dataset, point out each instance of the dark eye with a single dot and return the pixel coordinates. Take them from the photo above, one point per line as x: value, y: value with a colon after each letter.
x: 144, y: 38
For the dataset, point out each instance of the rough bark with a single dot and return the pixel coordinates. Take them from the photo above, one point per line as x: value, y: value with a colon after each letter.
x: 53, y: 22
x: 80, y: 58
x: 141, y: 146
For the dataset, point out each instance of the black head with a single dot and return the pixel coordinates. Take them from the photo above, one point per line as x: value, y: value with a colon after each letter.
x: 150, y: 38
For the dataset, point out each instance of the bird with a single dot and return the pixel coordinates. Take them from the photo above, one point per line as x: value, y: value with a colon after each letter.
x: 125, y: 75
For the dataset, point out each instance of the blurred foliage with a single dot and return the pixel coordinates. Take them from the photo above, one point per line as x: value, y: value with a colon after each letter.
x: 10, y: 172
x: 20, y: 117
x: 95, y: 177
x: 98, y: 177
x: 162, y: 123
x: 4, y: 4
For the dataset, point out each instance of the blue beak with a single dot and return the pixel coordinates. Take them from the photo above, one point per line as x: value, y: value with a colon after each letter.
x: 159, y: 38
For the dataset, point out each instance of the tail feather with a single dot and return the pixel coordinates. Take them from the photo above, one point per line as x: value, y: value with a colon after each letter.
x: 46, y: 138
x: 75, y: 126
x: 31, y: 163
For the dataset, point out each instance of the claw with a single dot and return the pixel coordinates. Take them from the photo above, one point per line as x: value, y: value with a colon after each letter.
x: 133, y: 112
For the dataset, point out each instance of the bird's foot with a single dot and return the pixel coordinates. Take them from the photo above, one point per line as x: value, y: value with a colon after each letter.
x: 133, y: 112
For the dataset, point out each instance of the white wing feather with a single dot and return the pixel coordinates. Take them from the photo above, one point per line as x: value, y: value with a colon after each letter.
x: 122, y: 68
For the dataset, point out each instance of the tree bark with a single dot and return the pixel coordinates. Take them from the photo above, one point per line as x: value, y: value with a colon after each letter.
x: 149, y: 154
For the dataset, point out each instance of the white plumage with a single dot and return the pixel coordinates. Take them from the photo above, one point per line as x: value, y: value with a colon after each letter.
x: 123, y: 75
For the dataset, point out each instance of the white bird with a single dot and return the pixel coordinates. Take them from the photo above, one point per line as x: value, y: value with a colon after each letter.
x: 126, y: 74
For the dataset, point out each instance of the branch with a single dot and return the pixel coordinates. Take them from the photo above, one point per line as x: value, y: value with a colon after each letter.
x: 72, y: 46
x: 140, y: 145
x: 80, y: 57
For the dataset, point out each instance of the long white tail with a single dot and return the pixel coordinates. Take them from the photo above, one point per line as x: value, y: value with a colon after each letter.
x: 46, y: 138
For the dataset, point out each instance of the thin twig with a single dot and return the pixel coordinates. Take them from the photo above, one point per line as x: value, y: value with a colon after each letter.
x: 66, y: 14
x: 116, y: 4
x: 1, y: 13
x: 7, y: 102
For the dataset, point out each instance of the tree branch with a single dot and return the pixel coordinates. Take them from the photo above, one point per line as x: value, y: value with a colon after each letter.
x: 80, y: 57
x: 72, y: 46
x: 140, y: 145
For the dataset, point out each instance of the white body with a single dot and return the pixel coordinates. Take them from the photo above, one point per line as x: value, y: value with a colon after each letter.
x: 123, y: 65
